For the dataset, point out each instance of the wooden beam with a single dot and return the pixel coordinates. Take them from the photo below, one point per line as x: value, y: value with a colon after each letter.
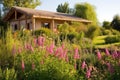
x: 33, y: 24
x: 15, y: 15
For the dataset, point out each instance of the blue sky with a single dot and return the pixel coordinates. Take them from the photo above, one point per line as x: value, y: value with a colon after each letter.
x: 105, y: 9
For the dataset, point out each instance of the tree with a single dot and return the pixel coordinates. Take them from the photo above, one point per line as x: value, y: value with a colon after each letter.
x: 86, y: 11
x: 21, y: 3
x: 64, y: 8
x: 106, y: 25
x: 116, y: 22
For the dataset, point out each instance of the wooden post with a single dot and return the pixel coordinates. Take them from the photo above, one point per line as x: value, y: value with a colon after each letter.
x: 33, y: 24
x: 15, y: 15
x: 26, y: 21
x: 19, y: 24
x: 53, y: 25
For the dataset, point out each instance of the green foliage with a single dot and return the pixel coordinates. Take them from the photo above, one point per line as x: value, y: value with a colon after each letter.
x: 45, y: 31
x: 21, y: 3
x: 72, y: 36
x: 93, y: 31
x: 106, y: 25
x: 8, y: 74
x: 64, y: 8
x: 112, y: 39
x: 85, y: 10
x: 116, y: 22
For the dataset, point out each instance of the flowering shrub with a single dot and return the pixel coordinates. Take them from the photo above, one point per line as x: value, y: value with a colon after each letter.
x: 40, y: 58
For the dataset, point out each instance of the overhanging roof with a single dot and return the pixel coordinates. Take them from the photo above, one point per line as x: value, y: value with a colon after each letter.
x: 44, y: 14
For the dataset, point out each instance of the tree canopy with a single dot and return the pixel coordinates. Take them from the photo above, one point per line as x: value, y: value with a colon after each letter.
x: 21, y: 3
x: 106, y: 25
x: 86, y: 11
x: 116, y: 22
x: 64, y: 8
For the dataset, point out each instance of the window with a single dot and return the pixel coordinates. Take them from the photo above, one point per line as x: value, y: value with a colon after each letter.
x: 28, y: 26
x: 15, y: 27
x: 46, y: 25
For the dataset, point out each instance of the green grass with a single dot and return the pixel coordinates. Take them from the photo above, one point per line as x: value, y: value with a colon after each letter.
x: 99, y: 40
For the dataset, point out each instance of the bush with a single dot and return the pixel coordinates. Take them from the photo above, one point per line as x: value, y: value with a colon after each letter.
x: 112, y: 39
x: 93, y: 31
x: 71, y: 36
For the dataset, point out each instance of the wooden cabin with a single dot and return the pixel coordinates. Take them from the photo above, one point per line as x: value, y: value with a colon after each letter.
x: 32, y: 19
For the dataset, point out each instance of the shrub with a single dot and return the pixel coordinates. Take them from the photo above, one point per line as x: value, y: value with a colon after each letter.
x: 71, y: 36
x: 112, y: 39
x: 93, y: 31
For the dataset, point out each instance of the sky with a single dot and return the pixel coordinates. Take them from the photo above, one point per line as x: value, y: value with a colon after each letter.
x: 105, y: 9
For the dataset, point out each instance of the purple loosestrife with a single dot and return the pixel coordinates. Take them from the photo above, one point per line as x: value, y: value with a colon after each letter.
x: 115, y: 54
x: 35, y: 41
x: 41, y: 41
x: 58, y: 51
x: 99, y: 55
x: 110, y: 68
x: 22, y: 65
x: 19, y: 49
x: 31, y: 48
x: 83, y: 65
x: 50, y: 48
x: 76, y: 54
x: 107, y: 52
x: 88, y: 73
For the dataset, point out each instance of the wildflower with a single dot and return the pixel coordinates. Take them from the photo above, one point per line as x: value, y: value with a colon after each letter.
x: 99, y: 55
x: 83, y: 65
x: 107, y: 52
x: 31, y: 48
x: 88, y: 73
x: 50, y: 48
x: 115, y: 54
x: 23, y: 65
x: 19, y: 50
x: 33, y: 66
x: 40, y: 41
x: 35, y: 41
x: 110, y: 67
x: 76, y: 55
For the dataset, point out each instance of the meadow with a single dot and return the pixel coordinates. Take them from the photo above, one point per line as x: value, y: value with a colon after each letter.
x: 43, y: 55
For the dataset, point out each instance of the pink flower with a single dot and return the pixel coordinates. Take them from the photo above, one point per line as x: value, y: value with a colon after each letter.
x: 107, y: 52
x: 33, y: 66
x: 88, y: 73
x: 76, y: 55
x: 41, y: 41
x: 83, y: 65
x: 115, y: 54
x: 50, y: 48
x: 23, y: 65
x: 19, y: 50
x: 31, y: 48
x: 110, y: 67
x: 99, y: 55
